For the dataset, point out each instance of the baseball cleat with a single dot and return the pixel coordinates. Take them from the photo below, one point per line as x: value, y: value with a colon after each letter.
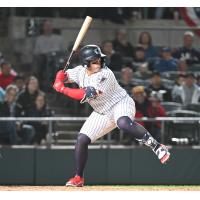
x: 163, y: 154
x: 76, y: 181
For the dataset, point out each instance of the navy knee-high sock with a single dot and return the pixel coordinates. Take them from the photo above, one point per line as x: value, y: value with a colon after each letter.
x: 138, y: 131
x: 81, y: 153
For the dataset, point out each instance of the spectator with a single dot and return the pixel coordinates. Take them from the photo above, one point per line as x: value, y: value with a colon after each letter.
x: 156, y: 85
x: 189, y: 92
x: 138, y: 57
x: 140, y: 97
x: 126, y: 79
x: 140, y: 63
x: 128, y: 139
x: 26, y: 98
x: 182, y: 65
x: 141, y: 100
x: 166, y: 62
x: 159, y: 12
x: 39, y: 109
x: 13, y: 132
x: 148, y: 107
x: 8, y: 132
x: 187, y: 51
x: 121, y: 44
x: 115, y: 61
x: 166, y: 13
x: 19, y: 82
x: 145, y: 40
x: 48, y: 41
x: 2, y: 94
x: 156, y: 110
x: 47, y: 47
x: 178, y: 82
x: 7, y: 75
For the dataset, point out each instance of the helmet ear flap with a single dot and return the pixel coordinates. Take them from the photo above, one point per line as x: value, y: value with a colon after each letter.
x: 85, y: 63
x: 104, y: 62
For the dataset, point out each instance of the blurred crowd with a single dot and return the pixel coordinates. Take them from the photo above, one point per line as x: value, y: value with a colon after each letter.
x: 152, y: 75
x: 115, y: 14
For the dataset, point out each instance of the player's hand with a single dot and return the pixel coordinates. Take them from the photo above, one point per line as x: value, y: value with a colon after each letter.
x: 60, y: 76
x: 90, y: 93
x: 58, y: 86
x: 98, y: 92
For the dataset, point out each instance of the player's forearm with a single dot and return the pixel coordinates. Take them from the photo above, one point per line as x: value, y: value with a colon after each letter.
x: 74, y: 93
x: 82, y: 94
x: 58, y: 85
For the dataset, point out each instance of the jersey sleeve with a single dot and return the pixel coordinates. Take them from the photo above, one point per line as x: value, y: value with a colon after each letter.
x: 73, y: 74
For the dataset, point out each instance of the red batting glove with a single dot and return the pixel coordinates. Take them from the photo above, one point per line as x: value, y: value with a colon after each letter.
x: 60, y: 76
x: 58, y: 86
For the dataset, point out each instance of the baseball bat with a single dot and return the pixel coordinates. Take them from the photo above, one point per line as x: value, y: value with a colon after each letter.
x: 79, y: 38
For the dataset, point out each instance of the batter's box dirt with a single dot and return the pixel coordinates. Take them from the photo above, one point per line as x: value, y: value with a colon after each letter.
x: 104, y: 188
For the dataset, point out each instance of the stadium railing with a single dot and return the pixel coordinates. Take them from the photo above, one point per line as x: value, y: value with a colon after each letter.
x: 164, y: 122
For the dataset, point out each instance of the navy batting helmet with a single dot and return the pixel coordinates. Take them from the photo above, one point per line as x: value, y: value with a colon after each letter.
x: 91, y: 52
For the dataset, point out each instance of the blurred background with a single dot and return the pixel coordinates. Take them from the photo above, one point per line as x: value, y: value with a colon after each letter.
x: 155, y: 55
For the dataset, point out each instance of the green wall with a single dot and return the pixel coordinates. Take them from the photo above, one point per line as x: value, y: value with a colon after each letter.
x: 139, y: 165
x: 17, y: 166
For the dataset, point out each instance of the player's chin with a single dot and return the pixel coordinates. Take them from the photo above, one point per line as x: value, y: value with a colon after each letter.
x: 97, y: 69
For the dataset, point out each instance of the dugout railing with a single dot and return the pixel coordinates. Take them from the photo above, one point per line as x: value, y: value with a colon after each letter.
x: 174, y: 130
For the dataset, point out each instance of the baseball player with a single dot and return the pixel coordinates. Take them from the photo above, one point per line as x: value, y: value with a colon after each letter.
x: 113, y: 107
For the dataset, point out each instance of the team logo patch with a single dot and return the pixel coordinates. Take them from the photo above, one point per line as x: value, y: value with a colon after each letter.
x: 102, y: 79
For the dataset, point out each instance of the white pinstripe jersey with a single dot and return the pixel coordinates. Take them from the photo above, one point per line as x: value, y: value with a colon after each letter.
x: 104, y: 81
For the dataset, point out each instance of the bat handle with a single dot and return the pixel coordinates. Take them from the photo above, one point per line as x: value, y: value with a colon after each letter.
x: 68, y: 61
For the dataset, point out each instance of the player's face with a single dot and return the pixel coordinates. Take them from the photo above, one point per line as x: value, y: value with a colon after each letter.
x: 95, y: 66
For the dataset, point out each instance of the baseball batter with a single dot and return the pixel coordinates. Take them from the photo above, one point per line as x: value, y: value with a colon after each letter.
x: 113, y: 107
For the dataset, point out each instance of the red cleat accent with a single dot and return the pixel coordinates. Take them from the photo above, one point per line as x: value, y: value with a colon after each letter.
x: 76, y: 181
x: 165, y: 158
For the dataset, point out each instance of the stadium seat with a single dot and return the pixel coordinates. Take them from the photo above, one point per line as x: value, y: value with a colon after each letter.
x: 179, y: 130
x: 138, y: 81
x: 144, y: 77
x: 168, y: 83
x: 194, y: 68
x: 193, y: 107
x: 182, y: 113
x: 172, y: 75
x: 127, y: 60
x: 170, y: 106
x: 117, y: 75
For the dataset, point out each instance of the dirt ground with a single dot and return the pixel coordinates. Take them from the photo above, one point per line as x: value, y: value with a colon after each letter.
x: 103, y: 188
